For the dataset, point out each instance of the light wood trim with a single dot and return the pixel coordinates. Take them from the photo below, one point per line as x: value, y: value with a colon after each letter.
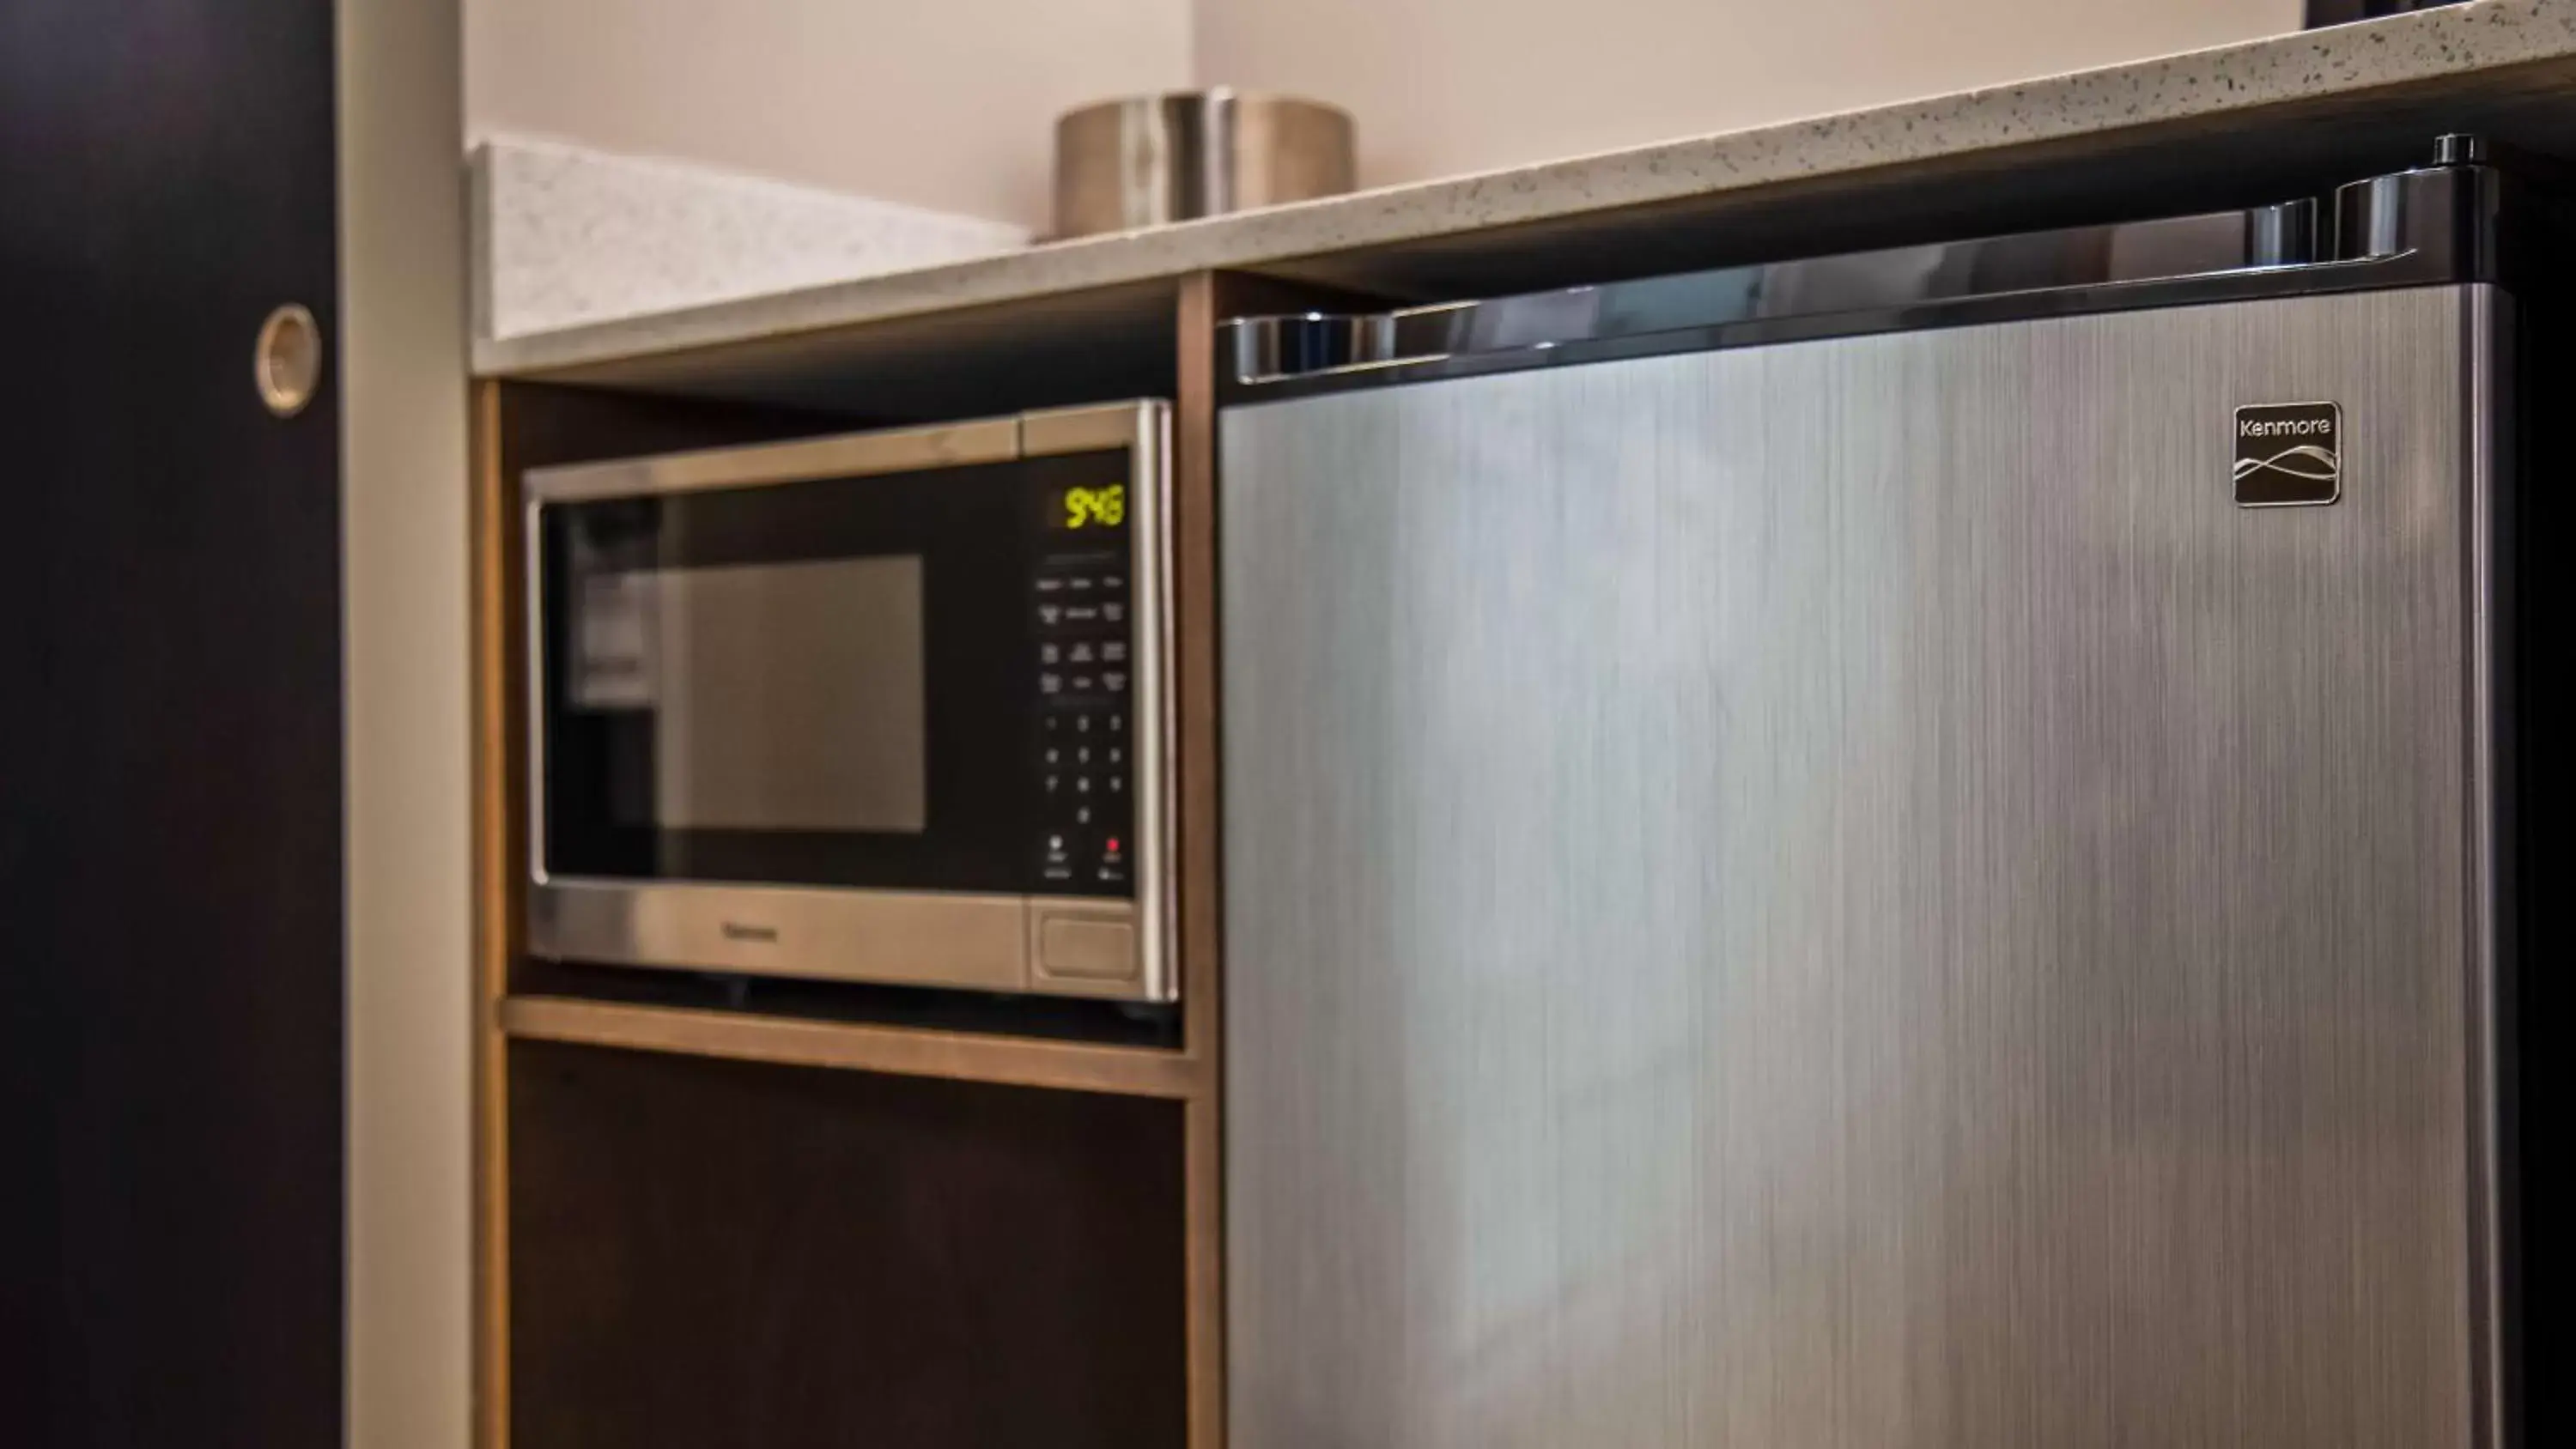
x: 495, y: 929
x: 902, y: 1051
x: 1201, y: 919
x: 1203, y: 1219
x: 1191, y: 1076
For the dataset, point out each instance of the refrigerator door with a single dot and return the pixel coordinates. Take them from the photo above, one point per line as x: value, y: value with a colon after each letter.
x: 1846, y: 894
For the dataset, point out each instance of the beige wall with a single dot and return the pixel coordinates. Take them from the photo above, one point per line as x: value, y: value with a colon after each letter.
x: 939, y: 103
x: 1443, y: 87
x: 948, y: 103
x: 401, y: 361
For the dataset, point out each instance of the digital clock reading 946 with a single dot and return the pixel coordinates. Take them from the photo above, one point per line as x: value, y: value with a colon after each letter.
x: 1101, y: 507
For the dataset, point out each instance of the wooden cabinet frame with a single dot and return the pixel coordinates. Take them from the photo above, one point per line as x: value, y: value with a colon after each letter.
x: 517, y: 424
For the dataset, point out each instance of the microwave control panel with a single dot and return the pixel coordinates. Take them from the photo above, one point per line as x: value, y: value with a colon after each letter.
x: 1084, y: 639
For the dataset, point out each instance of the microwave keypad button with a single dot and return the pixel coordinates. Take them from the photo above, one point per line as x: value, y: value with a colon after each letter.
x: 1087, y: 946
x: 1082, y: 652
x: 1050, y: 653
x: 1113, y: 612
x: 1050, y: 585
x: 1050, y: 684
x: 1115, y: 681
x: 1085, y: 613
x: 1084, y: 845
x: 1113, y: 651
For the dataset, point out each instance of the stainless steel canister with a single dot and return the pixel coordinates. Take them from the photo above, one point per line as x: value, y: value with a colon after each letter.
x: 1152, y: 159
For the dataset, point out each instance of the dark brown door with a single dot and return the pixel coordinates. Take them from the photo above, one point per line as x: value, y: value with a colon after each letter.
x: 170, y: 917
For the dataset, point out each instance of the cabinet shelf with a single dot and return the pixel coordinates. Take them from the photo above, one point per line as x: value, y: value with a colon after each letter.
x: 900, y: 1051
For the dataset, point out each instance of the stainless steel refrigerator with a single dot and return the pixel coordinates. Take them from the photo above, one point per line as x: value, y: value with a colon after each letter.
x: 1909, y: 849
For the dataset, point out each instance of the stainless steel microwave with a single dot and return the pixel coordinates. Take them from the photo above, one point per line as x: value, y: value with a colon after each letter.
x: 887, y: 707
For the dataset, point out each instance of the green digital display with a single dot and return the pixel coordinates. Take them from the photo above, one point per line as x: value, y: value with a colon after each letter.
x: 1101, y: 507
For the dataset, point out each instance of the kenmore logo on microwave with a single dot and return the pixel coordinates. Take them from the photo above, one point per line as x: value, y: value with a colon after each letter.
x: 737, y: 931
x: 2289, y: 455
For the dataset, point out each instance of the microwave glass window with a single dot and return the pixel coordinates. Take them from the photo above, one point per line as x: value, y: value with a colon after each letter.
x: 845, y: 683
x: 782, y: 696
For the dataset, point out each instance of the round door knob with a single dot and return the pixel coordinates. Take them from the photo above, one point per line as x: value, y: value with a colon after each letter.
x: 288, y: 362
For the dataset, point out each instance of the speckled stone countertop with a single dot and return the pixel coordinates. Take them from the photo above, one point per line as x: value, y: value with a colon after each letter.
x: 2449, y: 52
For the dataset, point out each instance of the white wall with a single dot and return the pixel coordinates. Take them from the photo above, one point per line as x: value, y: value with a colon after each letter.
x: 1443, y: 87
x: 941, y: 103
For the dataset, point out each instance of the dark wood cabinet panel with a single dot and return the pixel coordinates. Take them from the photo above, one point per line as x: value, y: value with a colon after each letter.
x: 708, y: 1252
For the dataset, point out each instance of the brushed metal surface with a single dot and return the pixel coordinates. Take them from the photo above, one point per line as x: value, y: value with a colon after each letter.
x: 916, y: 938
x: 1845, y: 895
x: 2440, y: 225
x: 1154, y: 159
x: 922, y: 938
x: 286, y: 359
x: 1087, y: 429
x: 848, y: 455
x: 2498, y: 957
x: 1078, y: 947
x: 1157, y: 700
